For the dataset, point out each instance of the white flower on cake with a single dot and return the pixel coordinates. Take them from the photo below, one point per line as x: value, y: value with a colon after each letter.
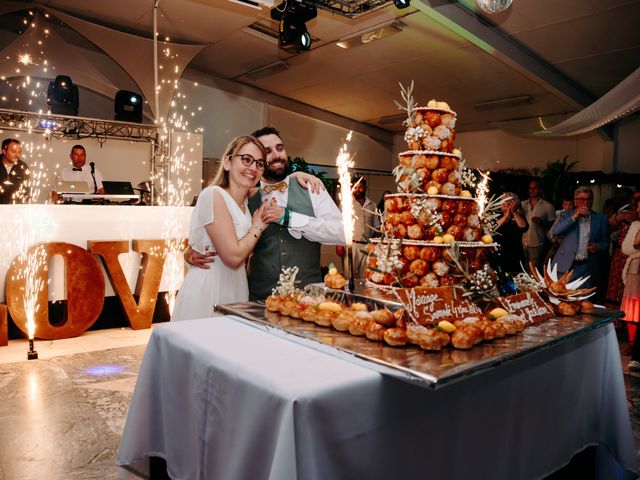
x: 388, y: 256
x: 413, y: 134
x: 286, y: 283
x: 431, y: 143
x: 442, y: 132
x: 480, y: 282
x: 424, y: 210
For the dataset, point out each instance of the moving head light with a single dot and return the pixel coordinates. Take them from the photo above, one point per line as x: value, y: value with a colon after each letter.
x: 292, y: 31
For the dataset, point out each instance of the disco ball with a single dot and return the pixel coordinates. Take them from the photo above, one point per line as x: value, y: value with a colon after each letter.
x: 494, y: 6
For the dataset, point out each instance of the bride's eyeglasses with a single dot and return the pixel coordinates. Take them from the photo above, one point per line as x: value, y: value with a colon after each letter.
x: 247, y: 160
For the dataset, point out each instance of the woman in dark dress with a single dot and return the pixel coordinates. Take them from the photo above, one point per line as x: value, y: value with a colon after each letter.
x: 511, y: 225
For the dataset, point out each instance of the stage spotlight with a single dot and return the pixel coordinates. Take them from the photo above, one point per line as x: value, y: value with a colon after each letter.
x: 62, y: 96
x: 292, y: 31
x: 400, y: 4
x: 128, y: 106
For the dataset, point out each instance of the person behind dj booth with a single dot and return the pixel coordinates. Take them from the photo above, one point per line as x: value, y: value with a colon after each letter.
x: 14, y: 176
x: 78, y: 171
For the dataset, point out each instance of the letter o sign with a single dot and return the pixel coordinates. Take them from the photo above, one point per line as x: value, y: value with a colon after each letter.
x: 84, y: 283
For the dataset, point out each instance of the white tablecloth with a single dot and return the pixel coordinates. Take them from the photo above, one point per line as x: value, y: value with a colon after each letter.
x: 221, y: 400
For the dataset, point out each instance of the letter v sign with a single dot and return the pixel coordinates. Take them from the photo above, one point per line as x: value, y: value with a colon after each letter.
x: 139, y: 314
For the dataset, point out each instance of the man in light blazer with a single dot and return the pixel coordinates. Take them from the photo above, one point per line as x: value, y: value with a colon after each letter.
x: 585, y: 246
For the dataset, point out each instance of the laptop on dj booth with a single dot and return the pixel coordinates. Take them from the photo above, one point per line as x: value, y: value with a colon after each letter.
x: 73, y: 187
x: 117, y: 188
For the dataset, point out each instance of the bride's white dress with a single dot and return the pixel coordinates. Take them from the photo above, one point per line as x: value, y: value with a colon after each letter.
x: 202, y: 289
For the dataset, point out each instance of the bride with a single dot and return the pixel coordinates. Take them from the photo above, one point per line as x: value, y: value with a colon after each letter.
x: 221, y: 223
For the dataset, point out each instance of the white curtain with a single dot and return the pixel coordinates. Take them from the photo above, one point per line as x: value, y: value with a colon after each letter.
x: 135, y: 55
x: 56, y: 52
x: 619, y: 102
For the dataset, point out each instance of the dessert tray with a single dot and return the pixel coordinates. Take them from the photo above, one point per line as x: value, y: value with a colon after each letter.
x: 410, y: 363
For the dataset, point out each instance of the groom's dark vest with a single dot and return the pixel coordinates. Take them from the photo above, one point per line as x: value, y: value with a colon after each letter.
x: 277, y: 248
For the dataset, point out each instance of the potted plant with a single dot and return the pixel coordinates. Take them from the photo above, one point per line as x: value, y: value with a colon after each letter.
x: 556, y: 180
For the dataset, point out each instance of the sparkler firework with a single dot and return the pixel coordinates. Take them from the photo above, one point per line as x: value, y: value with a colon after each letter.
x: 344, y: 162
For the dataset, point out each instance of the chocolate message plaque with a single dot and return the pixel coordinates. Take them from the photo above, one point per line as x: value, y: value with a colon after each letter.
x: 429, y: 305
x: 529, y: 305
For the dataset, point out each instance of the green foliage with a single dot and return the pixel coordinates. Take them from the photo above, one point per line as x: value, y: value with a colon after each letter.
x: 556, y: 180
x: 298, y: 164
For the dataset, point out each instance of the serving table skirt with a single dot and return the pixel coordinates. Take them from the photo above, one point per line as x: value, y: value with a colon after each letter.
x: 222, y: 400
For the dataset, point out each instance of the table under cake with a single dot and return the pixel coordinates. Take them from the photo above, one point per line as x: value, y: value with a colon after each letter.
x: 226, y: 398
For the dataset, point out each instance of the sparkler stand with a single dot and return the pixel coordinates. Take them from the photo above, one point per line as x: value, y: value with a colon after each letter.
x: 352, y: 281
x: 31, y: 353
x: 4, y: 328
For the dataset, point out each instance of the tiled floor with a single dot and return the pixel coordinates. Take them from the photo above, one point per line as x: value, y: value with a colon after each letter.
x: 61, y: 416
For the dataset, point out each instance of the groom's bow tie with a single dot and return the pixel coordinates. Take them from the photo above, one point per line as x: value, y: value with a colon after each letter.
x: 280, y: 186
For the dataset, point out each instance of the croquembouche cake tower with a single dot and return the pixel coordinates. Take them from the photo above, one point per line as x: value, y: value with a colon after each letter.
x: 434, y: 232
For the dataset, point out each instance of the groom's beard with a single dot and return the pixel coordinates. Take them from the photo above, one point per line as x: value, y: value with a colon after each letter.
x: 278, y: 174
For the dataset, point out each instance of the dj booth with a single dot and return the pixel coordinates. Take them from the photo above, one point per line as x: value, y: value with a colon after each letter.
x: 115, y: 192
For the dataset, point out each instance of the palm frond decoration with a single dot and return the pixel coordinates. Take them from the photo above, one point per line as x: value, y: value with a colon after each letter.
x: 492, y: 212
x: 409, y: 103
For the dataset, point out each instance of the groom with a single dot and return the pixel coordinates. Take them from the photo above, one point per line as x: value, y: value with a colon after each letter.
x: 306, y: 220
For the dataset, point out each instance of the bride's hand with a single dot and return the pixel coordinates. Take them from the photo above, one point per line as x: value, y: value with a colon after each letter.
x: 271, y: 211
x: 309, y: 182
x: 258, y: 218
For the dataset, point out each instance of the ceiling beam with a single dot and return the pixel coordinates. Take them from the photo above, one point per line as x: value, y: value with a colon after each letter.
x: 489, y: 37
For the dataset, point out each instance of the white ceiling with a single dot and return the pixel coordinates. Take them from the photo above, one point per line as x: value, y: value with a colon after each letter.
x: 562, y: 53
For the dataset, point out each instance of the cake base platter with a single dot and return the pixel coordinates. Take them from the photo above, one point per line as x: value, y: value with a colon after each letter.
x: 410, y: 363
